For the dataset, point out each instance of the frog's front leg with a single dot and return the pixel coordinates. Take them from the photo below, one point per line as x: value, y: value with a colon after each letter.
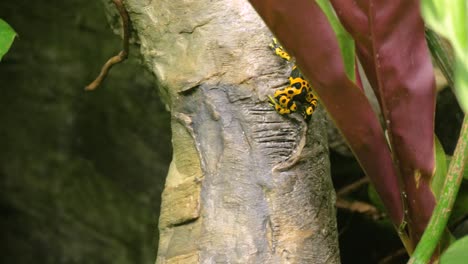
x: 283, y: 105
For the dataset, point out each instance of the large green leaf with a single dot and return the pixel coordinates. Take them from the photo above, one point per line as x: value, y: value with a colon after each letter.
x: 440, y: 170
x: 449, y: 19
x: 345, y: 41
x: 375, y: 198
x: 7, y: 35
x: 461, y: 83
x: 457, y: 253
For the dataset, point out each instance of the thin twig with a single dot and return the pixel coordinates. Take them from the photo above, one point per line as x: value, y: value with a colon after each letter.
x: 394, y: 256
x: 359, y: 207
x: 352, y: 187
x: 356, y: 206
x: 123, y: 54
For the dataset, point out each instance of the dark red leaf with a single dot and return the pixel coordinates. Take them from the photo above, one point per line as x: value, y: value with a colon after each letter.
x: 391, y: 46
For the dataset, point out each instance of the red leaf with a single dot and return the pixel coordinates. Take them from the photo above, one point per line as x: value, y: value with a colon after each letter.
x: 391, y: 46
x: 304, y: 31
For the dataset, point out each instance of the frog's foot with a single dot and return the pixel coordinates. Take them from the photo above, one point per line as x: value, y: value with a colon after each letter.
x: 283, y: 106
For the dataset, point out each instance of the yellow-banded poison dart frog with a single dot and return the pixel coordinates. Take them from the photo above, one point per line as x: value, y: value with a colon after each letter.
x: 298, y: 95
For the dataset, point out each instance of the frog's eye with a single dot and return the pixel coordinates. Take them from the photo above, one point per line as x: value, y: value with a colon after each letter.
x: 292, y: 91
x: 297, y: 85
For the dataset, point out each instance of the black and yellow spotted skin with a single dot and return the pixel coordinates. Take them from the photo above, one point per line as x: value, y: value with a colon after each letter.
x: 276, y: 47
x: 298, y: 95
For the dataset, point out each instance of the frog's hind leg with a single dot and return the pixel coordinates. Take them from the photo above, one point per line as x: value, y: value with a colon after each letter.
x: 310, y: 109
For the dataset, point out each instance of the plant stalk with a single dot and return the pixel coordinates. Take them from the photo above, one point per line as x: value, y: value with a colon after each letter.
x: 441, y: 214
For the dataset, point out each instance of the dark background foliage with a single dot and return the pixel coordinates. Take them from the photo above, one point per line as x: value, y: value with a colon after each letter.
x: 81, y: 173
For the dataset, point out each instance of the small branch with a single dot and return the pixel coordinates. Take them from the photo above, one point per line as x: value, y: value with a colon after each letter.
x: 359, y: 207
x: 123, y: 54
x: 393, y: 257
x: 441, y: 213
x: 356, y: 206
x: 352, y: 187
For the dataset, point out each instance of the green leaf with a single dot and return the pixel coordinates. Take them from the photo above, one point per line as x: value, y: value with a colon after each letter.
x: 449, y: 19
x: 457, y: 253
x: 375, y: 198
x: 345, y: 41
x: 7, y: 35
x: 461, y: 83
x: 440, y: 170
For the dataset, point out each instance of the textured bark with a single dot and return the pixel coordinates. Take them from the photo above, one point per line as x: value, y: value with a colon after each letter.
x: 245, y: 184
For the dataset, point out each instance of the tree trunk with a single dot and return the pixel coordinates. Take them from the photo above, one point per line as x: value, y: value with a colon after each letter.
x: 245, y: 185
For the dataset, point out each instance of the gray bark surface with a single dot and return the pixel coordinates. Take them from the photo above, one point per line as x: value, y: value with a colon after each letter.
x: 245, y: 185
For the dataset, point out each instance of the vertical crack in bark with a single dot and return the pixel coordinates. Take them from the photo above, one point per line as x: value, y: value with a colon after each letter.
x: 296, y: 153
